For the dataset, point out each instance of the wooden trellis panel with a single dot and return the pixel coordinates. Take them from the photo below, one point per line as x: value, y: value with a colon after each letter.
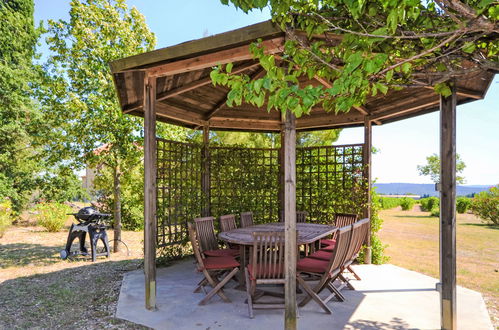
x: 245, y: 179
x: 330, y: 180
x: 179, y: 190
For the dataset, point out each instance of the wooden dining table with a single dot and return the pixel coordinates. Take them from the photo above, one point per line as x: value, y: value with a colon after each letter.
x: 307, y: 234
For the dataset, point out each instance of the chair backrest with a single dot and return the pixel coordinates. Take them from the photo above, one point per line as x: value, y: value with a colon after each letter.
x: 267, y: 254
x: 339, y: 253
x: 301, y: 216
x: 206, y: 233
x: 344, y: 219
x: 359, y: 232
x: 246, y: 219
x: 228, y: 222
x: 195, y: 244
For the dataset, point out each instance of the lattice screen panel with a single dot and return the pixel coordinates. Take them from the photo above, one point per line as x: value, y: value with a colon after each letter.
x: 244, y: 179
x: 330, y: 180
x: 179, y: 190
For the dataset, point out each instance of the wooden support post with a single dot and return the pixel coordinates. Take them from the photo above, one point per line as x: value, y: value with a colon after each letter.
x: 205, y: 175
x: 150, y: 166
x: 448, y: 210
x: 367, y: 175
x: 290, y: 220
x: 281, y: 175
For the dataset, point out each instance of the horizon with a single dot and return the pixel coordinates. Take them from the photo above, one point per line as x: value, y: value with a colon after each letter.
x: 404, y: 144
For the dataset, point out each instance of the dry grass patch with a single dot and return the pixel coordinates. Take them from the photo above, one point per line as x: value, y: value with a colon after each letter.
x: 38, y: 289
x: 413, y: 239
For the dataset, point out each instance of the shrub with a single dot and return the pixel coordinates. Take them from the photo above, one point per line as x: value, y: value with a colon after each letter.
x: 463, y: 204
x: 407, y: 203
x: 429, y: 203
x: 388, y: 202
x: 435, y: 211
x: 486, y: 205
x: 52, y: 216
x: 5, y: 215
x: 377, y: 247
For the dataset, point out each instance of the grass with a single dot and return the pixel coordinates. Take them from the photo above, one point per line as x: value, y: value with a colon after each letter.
x: 413, y: 243
x: 39, y: 290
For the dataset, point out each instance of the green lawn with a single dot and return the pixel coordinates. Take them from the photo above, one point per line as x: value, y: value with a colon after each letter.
x: 412, y: 238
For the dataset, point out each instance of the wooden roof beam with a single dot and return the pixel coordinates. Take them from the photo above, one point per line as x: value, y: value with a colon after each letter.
x: 424, y: 103
x: 464, y: 92
x: 236, y: 54
x: 201, y: 82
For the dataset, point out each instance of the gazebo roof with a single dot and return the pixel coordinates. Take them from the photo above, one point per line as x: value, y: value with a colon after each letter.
x: 186, y: 96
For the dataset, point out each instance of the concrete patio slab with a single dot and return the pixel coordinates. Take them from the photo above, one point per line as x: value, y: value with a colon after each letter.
x: 388, y: 297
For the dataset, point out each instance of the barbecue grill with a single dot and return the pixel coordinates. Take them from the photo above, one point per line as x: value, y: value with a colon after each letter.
x: 94, y: 223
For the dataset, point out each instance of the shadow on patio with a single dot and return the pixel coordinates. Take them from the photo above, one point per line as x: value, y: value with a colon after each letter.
x: 388, y: 297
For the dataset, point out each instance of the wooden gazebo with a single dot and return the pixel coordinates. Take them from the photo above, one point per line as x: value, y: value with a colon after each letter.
x: 173, y: 85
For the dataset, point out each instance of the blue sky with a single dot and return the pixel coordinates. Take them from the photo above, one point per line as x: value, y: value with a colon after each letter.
x: 402, y: 145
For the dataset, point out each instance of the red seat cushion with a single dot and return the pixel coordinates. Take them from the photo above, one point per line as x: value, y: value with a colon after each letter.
x: 328, y: 248
x: 222, y: 253
x: 266, y: 271
x: 211, y: 263
x: 321, y: 255
x: 328, y: 242
x: 312, y: 265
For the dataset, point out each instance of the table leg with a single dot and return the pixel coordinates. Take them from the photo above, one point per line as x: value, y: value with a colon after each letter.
x: 243, y: 260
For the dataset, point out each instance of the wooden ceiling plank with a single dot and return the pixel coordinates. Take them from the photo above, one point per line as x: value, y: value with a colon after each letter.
x: 236, y: 54
x: 199, y: 83
x: 398, y: 111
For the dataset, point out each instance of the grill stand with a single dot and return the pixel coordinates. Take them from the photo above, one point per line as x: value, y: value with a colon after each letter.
x: 95, y: 232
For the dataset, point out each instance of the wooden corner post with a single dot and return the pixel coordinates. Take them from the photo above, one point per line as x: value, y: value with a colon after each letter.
x: 367, y: 176
x: 205, y: 174
x: 289, y: 151
x: 281, y: 173
x: 448, y: 210
x: 150, y: 166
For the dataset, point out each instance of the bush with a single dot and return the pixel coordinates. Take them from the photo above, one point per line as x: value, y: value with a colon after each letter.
x: 463, y: 204
x: 5, y: 216
x: 429, y: 203
x: 435, y: 211
x: 388, y: 202
x: 486, y: 205
x: 377, y: 247
x: 407, y: 203
x: 52, y: 216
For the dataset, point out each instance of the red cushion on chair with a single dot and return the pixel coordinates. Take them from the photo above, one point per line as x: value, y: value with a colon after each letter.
x: 328, y: 242
x: 312, y: 265
x: 322, y: 255
x: 328, y: 248
x: 220, y: 263
x: 262, y: 270
x: 222, y: 253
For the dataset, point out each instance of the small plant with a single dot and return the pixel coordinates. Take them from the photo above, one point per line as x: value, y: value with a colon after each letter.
x: 407, y: 203
x: 463, y: 204
x: 5, y: 216
x: 429, y: 203
x: 389, y: 202
x: 435, y: 211
x: 52, y: 216
x: 486, y: 205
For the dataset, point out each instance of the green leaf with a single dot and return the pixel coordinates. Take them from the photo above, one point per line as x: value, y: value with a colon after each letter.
x: 382, y: 88
x: 389, y: 75
x: 443, y: 89
x: 228, y: 67
x: 469, y: 47
x: 406, y: 67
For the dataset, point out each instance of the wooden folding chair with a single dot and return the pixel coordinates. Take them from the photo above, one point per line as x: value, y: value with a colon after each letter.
x: 340, y: 220
x: 361, y: 229
x: 207, y: 240
x: 328, y: 271
x: 266, y: 266
x: 227, y: 222
x: 212, y: 268
x: 246, y: 219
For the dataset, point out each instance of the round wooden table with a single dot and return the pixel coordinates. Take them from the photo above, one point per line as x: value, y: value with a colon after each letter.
x: 307, y: 233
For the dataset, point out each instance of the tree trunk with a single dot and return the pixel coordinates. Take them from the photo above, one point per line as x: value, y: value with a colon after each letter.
x: 117, y: 207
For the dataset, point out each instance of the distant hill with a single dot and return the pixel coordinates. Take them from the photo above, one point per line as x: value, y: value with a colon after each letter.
x: 423, y: 189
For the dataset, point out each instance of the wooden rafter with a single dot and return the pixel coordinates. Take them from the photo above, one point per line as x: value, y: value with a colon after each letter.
x: 236, y: 54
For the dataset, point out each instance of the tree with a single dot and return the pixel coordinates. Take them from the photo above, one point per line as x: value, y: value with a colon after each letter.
x: 384, y: 45
x: 432, y: 168
x: 79, y: 97
x: 19, y: 116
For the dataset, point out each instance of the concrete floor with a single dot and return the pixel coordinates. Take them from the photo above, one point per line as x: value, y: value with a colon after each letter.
x: 387, y: 297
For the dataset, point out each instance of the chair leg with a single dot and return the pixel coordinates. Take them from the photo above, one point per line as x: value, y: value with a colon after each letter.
x: 334, y: 293
x: 248, y: 293
x: 357, y: 277
x: 219, y: 286
x: 311, y: 295
x: 346, y: 281
x: 213, y: 282
x: 318, y: 288
x: 200, y: 285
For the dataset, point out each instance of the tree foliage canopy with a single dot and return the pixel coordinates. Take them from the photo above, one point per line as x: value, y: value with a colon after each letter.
x: 382, y: 45
x: 432, y: 168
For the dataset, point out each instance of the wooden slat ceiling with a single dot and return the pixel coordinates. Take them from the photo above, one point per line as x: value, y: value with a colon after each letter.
x: 186, y: 96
